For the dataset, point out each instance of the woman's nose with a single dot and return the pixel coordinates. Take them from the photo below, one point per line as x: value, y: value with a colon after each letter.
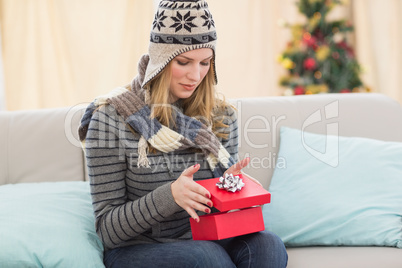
x: 194, y: 73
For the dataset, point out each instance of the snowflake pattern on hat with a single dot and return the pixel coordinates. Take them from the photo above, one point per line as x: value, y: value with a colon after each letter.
x: 183, y: 21
x: 159, y: 18
x: 209, y: 22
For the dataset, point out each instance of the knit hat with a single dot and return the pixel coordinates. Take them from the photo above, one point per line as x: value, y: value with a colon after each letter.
x: 179, y: 26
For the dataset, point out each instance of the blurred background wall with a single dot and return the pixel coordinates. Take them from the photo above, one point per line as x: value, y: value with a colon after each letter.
x: 66, y: 52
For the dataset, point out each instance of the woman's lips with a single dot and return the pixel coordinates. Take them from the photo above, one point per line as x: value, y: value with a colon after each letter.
x: 189, y: 87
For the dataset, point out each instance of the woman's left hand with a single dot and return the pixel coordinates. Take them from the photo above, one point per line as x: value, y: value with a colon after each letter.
x: 236, y: 169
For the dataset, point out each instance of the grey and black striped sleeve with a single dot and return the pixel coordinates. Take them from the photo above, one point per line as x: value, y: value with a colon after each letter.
x: 119, y: 220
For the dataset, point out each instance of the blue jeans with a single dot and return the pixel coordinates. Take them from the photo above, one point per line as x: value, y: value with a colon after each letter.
x: 263, y: 249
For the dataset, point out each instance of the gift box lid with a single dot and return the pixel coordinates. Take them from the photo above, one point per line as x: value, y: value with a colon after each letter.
x: 250, y: 195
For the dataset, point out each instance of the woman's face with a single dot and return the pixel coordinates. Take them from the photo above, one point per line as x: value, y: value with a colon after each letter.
x: 188, y: 70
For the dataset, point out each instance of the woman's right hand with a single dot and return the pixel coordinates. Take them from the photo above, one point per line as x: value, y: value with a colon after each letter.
x: 190, y: 195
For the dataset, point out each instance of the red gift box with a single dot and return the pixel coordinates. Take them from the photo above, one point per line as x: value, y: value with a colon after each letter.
x: 250, y: 195
x: 225, y: 224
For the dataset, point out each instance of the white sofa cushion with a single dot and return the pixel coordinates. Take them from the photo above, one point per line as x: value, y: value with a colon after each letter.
x: 40, y: 145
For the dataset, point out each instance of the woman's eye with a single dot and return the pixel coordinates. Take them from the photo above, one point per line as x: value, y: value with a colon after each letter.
x: 205, y: 63
x: 182, y: 63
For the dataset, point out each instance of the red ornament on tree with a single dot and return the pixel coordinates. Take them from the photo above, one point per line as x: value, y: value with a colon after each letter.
x: 345, y: 90
x: 309, y: 64
x: 299, y: 90
x: 310, y: 40
x: 335, y: 55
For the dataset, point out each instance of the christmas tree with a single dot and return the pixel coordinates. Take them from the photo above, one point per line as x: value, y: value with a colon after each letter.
x: 319, y: 59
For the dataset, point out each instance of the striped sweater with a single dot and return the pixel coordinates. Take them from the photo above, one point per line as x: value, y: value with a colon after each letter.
x: 134, y: 205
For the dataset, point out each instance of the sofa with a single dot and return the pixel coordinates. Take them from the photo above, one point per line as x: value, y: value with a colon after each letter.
x: 43, y: 171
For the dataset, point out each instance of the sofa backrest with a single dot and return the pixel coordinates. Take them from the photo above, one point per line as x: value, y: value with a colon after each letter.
x: 368, y: 115
x: 40, y: 145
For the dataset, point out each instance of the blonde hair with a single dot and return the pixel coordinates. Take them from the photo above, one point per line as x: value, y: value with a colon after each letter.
x: 204, y: 104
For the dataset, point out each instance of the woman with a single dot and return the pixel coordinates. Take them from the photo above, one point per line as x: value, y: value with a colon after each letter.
x: 146, y: 143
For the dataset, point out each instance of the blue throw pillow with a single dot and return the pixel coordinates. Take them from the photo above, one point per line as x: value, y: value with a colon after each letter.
x: 349, y: 195
x: 48, y: 225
